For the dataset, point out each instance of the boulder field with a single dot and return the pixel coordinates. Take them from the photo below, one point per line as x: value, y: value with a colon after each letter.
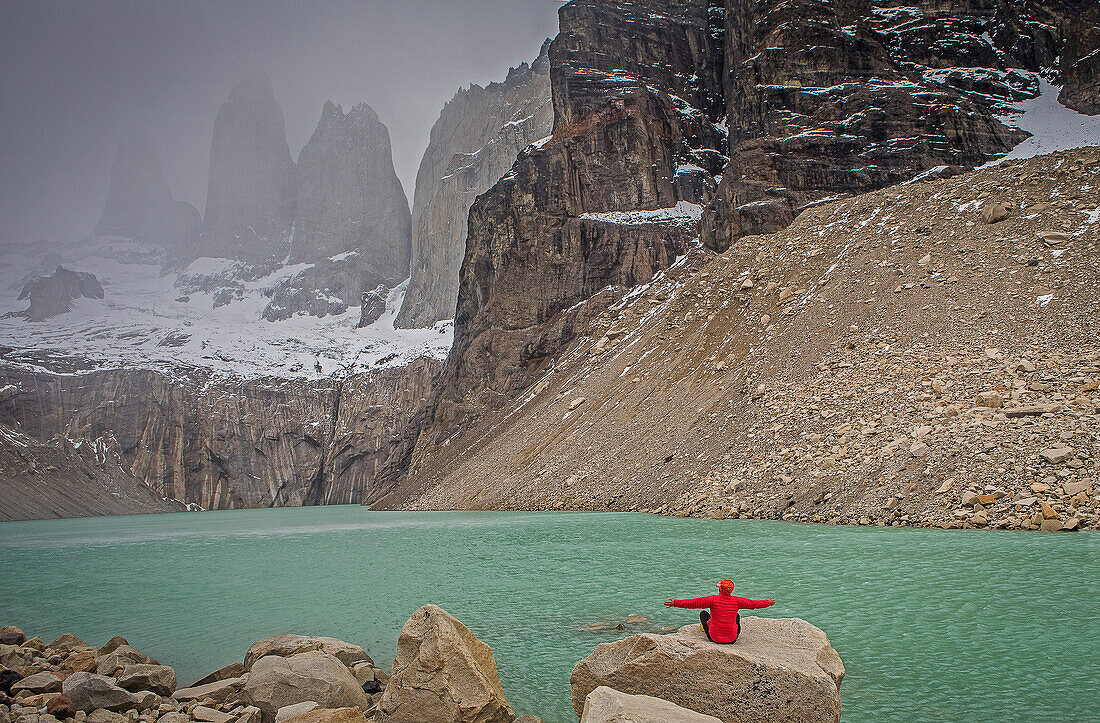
x: 779, y: 669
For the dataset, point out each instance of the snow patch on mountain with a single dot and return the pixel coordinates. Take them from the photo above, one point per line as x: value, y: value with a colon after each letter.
x: 1053, y: 126
x: 151, y: 319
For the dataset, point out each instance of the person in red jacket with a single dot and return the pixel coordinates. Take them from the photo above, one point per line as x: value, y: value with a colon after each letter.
x: 722, y: 624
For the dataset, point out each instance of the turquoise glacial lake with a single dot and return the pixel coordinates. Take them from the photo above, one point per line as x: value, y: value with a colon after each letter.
x: 932, y: 625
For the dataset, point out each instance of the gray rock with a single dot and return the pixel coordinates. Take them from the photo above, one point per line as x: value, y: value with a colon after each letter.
x: 123, y: 656
x: 173, y: 717
x: 219, y: 691
x: 1057, y: 455
x: 275, y: 682
x: 442, y: 673
x: 604, y: 705
x: 89, y: 691
x: 160, y: 679
x: 296, y: 709
x: 209, y: 715
x: 54, y: 294
x: 779, y: 669
x: 44, y: 682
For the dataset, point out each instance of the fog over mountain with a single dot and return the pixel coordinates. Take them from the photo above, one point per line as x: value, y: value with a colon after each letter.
x: 75, y: 76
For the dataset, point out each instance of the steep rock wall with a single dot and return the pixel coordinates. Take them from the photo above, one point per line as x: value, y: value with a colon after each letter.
x: 475, y: 141
x: 252, y: 194
x: 353, y: 221
x: 226, y: 444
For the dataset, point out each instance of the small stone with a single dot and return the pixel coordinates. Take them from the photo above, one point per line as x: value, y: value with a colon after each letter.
x: 1071, y: 524
x: 990, y: 399
x: 1075, y: 488
x: 1057, y: 455
x: 1050, y: 525
x: 994, y: 211
x: 210, y: 715
x: 1048, y: 511
x: 577, y: 402
x: 925, y: 260
x: 1039, y: 487
x: 113, y: 644
x: 61, y: 707
x: 946, y: 486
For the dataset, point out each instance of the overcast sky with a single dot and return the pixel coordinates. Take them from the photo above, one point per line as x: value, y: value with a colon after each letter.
x: 74, y: 73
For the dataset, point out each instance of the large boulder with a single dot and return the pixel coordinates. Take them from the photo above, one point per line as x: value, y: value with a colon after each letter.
x: 604, y: 705
x: 275, y: 682
x: 89, y: 691
x: 779, y: 669
x: 286, y: 645
x: 160, y: 679
x: 442, y: 673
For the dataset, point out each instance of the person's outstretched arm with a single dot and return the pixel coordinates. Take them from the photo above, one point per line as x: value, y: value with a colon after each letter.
x: 695, y: 602
x: 744, y: 602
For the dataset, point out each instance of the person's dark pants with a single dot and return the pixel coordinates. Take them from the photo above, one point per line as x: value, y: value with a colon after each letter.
x: 704, y: 620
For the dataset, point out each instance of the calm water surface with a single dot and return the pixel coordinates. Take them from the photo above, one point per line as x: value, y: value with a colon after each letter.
x: 931, y: 625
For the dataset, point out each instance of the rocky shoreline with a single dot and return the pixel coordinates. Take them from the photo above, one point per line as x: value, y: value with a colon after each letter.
x: 780, y: 668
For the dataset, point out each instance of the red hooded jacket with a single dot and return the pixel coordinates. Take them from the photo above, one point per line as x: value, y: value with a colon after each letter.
x: 723, y: 613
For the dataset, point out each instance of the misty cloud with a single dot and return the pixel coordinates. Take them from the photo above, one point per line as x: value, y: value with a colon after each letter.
x: 74, y: 76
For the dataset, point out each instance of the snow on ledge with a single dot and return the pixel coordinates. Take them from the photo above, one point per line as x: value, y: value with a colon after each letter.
x: 683, y: 213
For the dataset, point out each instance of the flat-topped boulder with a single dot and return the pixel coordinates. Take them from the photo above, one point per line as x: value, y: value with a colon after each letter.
x: 605, y: 705
x: 442, y: 674
x: 779, y: 669
x: 286, y: 645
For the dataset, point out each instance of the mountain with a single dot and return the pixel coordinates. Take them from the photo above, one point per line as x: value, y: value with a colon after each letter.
x: 474, y: 142
x: 694, y: 124
x: 139, y: 204
x: 353, y: 224
x: 63, y: 478
x: 251, y: 197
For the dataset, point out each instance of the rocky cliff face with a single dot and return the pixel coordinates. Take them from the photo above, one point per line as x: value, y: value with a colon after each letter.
x: 222, y: 443
x: 62, y: 479
x: 1079, y: 63
x: 252, y: 195
x: 353, y: 223
x: 139, y: 204
x: 853, y: 97
x: 754, y: 110
x: 477, y: 138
